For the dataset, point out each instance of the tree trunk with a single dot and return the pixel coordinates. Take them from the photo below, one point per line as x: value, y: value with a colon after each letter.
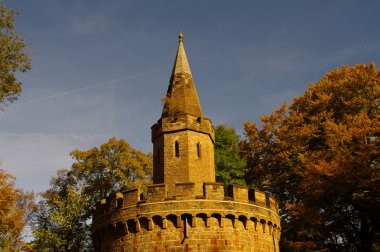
x: 366, y: 234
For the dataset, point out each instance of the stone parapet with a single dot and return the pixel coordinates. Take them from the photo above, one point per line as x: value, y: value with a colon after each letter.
x: 185, y: 191
x: 126, y: 219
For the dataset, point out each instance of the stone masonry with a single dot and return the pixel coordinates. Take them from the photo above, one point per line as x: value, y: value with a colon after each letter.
x: 185, y: 209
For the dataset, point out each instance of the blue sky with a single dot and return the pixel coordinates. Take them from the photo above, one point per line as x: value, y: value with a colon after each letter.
x: 100, y: 68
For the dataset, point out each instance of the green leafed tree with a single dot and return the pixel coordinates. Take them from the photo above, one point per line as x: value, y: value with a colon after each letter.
x: 63, y: 222
x: 60, y: 224
x: 13, y: 56
x: 229, y: 165
x: 321, y: 156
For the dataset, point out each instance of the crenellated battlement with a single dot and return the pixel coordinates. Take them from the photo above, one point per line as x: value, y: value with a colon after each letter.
x: 213, y: 191
x: 183, y: 122
x: 131, y: 215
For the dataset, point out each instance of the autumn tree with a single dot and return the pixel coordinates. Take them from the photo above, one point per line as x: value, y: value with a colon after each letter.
x: 321, y: 157
x: 230, y: 167
x: 16, y: 207
x: 13, y: 56
x: 114, y: 166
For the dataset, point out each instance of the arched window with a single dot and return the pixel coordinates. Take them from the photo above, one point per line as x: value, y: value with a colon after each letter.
x: 176, y: 149
x: 199, y: 150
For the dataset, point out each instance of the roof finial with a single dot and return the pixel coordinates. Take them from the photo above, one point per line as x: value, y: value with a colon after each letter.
x: 180, y: 36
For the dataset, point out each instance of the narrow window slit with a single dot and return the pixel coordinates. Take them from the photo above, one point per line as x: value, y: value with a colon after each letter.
x: 176, y: 147
x: 199, y: 150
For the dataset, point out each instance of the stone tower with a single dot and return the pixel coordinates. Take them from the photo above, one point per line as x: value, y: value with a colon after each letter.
x: 185, y: 209
x: 183, y: 139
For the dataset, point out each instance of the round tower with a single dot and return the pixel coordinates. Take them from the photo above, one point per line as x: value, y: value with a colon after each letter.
x: 185, y: 209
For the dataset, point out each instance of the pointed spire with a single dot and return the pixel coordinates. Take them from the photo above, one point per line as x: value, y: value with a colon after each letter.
x: 181, y: 65
x: 182, y: 97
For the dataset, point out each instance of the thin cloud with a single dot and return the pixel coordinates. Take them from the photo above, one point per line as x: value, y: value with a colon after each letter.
x: 131, y: 76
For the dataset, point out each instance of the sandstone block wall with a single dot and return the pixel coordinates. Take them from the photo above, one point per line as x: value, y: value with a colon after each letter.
x: 195, y: 158
x: 186, y: 221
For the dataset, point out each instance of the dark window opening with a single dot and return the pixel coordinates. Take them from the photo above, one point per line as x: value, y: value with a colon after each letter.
x: 176, y: 149
x: 199, y: 150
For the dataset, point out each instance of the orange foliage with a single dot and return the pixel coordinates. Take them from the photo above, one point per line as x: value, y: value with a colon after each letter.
x: 15, y: 205
x: 10, y: 217
x: 321, y: 156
